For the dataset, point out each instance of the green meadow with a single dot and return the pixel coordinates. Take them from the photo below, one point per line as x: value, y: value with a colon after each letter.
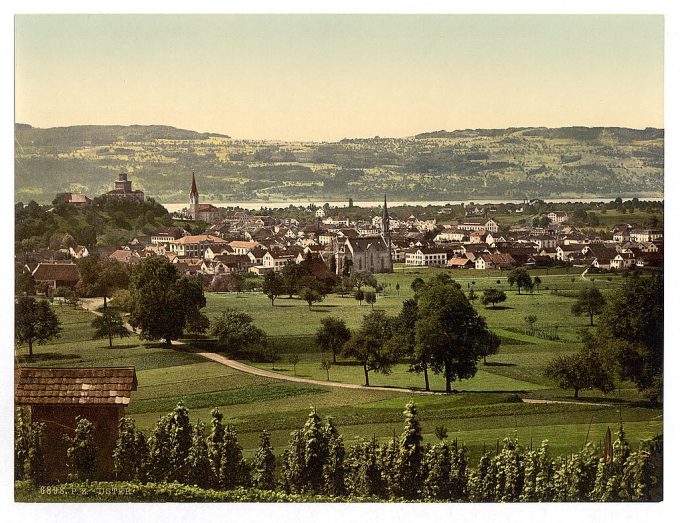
x: 484, y: 409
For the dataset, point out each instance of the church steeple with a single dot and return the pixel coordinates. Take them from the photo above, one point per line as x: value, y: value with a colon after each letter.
x: 193, y: 195
x: 386, y: 234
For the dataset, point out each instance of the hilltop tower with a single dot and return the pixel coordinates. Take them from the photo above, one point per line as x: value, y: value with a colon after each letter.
x: 193, y: 198
x: 386, y: 234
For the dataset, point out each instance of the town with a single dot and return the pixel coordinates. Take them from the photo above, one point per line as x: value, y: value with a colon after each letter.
x: 242, y: 242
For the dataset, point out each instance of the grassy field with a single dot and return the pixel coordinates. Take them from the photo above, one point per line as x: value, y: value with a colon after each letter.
x: 485, y: 411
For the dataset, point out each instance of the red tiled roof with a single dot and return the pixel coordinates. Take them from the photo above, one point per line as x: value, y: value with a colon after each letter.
x: 67, y: 386
x: 56, y: 272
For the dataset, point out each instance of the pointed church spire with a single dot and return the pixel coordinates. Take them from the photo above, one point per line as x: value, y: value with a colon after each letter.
x: 194, y: 190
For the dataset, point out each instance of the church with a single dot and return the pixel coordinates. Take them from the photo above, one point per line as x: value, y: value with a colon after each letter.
x: 366, y: 253
x: 205, y: 212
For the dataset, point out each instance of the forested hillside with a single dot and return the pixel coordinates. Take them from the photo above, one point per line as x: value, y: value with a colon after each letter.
x: 463, y: 164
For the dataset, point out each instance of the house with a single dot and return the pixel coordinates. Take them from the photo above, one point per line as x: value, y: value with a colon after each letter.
x: 566, y: 252
x: 460, y: 263
x: 126, y: 256
x: 166, y: 235
x: 241, y: 247
x: 74, y: 199
x: 646, y: 235
x: 195, y: 246
x: 623, y: 260
x: 58, y: 396
x: 123, y: 191
x: 477, y: 224
x: 426, y: 257
x: 78, y: 252
x: 451, y: 234
x: 545, y: 241
x: 603, y: 255
x: 320, y: 213
x: 557, y: 216
x: 57, y: 274
x: 495, y: 261
x: 275, y: 261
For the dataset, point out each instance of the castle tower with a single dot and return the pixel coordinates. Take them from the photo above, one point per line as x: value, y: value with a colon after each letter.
x: 193, y: 198
x: 386, y: 234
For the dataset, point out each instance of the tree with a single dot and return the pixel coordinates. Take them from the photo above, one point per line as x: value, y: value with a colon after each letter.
x: 630, y: 333
x: 417, y: 284
x: 24, y: 284
x: 264, y: 464
x: 130, y: 453
x: 521, y: 278
x: 359, y: 296
x: 493, y: 297
x: 162, y: 301
x: 591, y: 302
x: 579, y: 371
x: 368, y: 345
x: 81, y: 453
x: 291, y: 275
x: 333, y: 265
x: 311, y: 296
x: 198, y: 461
x: 404, y: 337
x: 397, y: 287
x: 272, y: 286
x: 233, y: 468
x: 34, y: 322
x: 100, y: 278
x: 326, y: 365
x: 488, y: 344
x: 294, y: 359
x: 370, y: 298
x: 332, y: 334
x: 449, y: 329
x: 235, y: 332
x: 409, y: 463
x: 108, y: 325
x: 537, y: 282
x: 361, y: 279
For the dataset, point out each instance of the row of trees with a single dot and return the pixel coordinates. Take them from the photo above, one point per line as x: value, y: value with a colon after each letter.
x: 316, y: 461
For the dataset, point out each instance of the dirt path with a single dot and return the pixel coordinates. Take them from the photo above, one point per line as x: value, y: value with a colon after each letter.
x: 92, y: 304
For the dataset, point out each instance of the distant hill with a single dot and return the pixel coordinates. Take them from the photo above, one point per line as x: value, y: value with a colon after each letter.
x: 578, y: 133
x: 102, y: 134
x: 513, y: 163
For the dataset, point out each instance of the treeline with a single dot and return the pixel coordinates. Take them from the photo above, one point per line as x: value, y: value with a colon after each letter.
x: 317, y: 462
x: 105, y: 222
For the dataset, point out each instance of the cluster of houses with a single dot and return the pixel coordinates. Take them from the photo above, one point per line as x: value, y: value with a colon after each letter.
x: 245, y: 242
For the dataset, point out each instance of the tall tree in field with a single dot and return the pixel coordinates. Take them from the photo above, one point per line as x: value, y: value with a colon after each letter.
x: 369, y: 345
x: 450, y: 329
x: 101, y: 278
x: 162, y: 301
x: 493, y: 297
x: 363, y: 278
x: 404, y: 337
x: 332, y: 335
x: 264, y: 464
x: 370, y: 298
x: 108, y: 325
x: 34, y: 322
x: 488, y: 344
x: 583, y: 370
x: 521, y: 278
x: 272, y: 286
x: 591, y: 302
x: 630, y: 333
x: 235, y: 332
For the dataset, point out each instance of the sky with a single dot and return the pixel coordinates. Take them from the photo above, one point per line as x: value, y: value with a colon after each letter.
x: 327, y: 77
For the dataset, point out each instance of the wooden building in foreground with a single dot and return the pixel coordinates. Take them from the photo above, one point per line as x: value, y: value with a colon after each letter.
x: 57, y: 396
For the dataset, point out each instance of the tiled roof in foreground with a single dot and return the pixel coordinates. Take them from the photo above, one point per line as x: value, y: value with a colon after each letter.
x: 74, y: 386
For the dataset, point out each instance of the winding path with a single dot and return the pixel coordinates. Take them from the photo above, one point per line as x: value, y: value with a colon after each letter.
x: 92, y: 304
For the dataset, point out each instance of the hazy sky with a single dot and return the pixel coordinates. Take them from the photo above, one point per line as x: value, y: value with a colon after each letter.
x: 325, y: 77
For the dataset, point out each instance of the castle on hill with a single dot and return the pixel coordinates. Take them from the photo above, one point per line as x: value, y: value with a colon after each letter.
x: 123, y: 190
